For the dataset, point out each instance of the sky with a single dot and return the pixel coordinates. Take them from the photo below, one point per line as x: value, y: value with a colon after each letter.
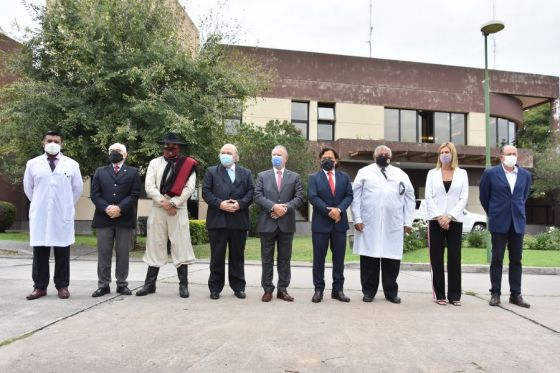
x: 433, y: 31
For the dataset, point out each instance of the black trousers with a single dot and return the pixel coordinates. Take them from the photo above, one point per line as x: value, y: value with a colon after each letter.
x: 220, y: 239
x: 439, y: 238
x: 41, y: 271
x: 268, y: 242
x: 338, y: 248
x: 369, y: 275
x: 514, y: 243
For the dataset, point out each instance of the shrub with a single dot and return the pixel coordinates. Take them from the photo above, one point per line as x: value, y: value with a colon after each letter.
x: 477, y: 239
x: 199, y: 234
x: 7, y: 215
x: 142, y: 226
x: 197, y: 228
x: 254, y: 213
x: 418, y: 239
x: 548, y: 240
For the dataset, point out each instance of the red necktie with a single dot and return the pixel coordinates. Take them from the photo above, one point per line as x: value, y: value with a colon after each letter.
x: 331, y: 181
x: 279, y: 180
x: 116, y: 169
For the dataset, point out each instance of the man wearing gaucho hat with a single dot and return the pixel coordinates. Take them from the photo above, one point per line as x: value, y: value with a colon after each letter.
x: 170, y: 181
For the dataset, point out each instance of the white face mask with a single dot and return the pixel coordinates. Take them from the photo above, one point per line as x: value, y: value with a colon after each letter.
x: 510, y: 160
x: 52, y: 148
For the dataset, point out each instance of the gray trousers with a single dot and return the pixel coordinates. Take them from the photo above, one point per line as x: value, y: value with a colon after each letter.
x: 268, y: 242
x: 121, y: 240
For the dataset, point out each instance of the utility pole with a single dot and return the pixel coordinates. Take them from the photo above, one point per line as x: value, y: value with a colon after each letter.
x: 370, y: 25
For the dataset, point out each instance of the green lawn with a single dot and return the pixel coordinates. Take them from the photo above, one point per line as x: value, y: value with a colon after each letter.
x: 302, y: 251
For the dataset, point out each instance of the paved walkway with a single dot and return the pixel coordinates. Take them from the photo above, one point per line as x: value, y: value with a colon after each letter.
x: 163, y: 332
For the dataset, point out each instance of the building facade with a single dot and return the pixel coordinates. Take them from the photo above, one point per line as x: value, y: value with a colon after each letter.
x: 356, y: 103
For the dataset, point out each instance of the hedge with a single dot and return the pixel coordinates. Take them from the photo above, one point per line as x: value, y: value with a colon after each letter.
x: 7, y: 215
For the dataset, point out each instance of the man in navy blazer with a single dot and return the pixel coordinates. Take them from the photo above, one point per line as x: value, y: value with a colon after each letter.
x: 228, y: 190
x: 115, y: 189
x: 504, y: 189
x: 330, y: 193
x: 279, y: 193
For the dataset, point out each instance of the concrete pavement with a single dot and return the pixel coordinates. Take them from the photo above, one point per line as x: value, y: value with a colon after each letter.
x: 162, y: 332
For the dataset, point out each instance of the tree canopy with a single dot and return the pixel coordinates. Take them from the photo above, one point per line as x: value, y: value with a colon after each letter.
x: 104, y: 71
x: 255, y: 146
x: 535, y: 133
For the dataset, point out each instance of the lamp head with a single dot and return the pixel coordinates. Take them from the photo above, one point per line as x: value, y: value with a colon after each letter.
x: 492, y: 27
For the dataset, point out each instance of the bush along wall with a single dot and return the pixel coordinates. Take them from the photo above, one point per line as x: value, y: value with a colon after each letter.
x: 7, y: 215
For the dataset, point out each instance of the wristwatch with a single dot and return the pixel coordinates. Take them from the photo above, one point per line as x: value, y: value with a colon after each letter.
x: 172, y: 203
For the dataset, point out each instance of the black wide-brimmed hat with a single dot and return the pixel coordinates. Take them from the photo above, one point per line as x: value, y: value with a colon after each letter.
x: 173, y: 138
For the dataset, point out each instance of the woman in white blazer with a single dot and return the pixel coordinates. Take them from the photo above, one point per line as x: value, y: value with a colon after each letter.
x: 447, y: 192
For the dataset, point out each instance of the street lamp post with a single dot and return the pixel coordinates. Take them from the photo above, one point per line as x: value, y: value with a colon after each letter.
x: 488, y: 28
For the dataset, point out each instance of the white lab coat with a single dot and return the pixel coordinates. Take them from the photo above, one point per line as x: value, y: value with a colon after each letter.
x: 52, y: 196
x: 385, y: 207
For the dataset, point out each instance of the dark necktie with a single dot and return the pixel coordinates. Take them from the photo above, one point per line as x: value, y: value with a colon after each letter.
x: 51, y: 162
x: 384, y: 172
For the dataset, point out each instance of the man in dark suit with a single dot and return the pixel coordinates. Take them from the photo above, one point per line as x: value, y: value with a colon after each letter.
x: 228, y: 190
x: 504, y: 189
x: 115, y: 189
x: 330, y: 193
x: 279, y: 193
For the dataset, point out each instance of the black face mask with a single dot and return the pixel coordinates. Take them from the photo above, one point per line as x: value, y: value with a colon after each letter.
x: 382, y: 161
x: 327, y: 164
x: 115, y: 157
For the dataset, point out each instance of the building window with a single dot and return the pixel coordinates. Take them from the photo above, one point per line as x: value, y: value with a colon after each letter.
x: 422, y: 126
x: 502, y: 132
x: 300, y: 117
x: 235, y: 117
x: 325, y: 122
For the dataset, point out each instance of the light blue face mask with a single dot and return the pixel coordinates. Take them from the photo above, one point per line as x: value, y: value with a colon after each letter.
x: 277, y: 161
x: 226, y: 160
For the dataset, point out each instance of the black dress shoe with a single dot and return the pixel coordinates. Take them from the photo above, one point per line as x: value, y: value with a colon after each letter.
x: 101, y: 291
x: 339, y: 295
x: 214, y: 295
x: 317, y: 297
x: 495, y: 300
x: 240, y: 294
x: 367, y: 298
x: 518, y: 301
x: 123, y: 290
x: 395, y: 300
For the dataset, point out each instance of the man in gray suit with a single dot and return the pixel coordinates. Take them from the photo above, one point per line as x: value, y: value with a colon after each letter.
x: 115, y: 189
x: 279, y: 193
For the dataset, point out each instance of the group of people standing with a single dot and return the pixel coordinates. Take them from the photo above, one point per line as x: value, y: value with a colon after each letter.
x: 381, y: 199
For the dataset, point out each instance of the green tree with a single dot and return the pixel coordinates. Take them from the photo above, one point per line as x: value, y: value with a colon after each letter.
x: 255, y: 145
x: 535, y: 133
x: 547, y: 171
x: 103, y: 71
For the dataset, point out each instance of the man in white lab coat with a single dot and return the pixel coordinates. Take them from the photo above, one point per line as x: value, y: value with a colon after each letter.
x: 53, y: 183
x: 383, y: 210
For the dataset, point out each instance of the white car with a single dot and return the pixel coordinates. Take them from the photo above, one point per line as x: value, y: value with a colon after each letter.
x: 471, y: 221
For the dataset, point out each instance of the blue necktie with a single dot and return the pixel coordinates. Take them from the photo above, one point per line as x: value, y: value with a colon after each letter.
x: 231, y: 174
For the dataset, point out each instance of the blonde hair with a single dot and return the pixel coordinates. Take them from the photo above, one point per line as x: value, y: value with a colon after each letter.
x: 454, y: 160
